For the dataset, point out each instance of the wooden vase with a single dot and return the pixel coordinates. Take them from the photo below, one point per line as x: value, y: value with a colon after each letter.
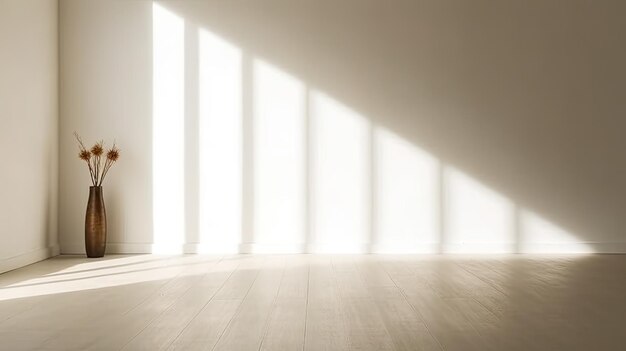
x: 95, y: 223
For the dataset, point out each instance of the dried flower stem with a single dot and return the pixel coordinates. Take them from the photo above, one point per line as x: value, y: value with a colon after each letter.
x: 85, y: 155
x: 112, y: 155
x: 95, y: 166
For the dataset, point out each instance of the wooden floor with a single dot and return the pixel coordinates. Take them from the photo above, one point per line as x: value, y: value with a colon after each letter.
x: 311, y: 302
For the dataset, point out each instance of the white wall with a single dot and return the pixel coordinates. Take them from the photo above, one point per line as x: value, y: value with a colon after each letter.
x: 105, y: 87
x: 28, y: 131
x: 417, y: 126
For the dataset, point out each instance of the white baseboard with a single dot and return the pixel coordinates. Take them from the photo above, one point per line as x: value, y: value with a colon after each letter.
x: 415, y: 248
x: 111, y: 248
x: 478, y: 248
x: 576, y: 247
x: 362, y: 248
x: 206, y: 248
x: 338, y: 248
x: 21, y: 260
x: 260, y: 248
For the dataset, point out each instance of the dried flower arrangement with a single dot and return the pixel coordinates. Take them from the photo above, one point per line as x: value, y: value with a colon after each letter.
x: 93, y: 157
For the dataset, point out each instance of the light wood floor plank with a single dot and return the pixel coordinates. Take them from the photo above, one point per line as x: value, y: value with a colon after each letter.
x: 286, y: 326
x: 124, y: 327
x: 203, y: 332
x: 404, y: 325
x: 248, y: 326
x: 164, y: 329
x: 316, y: 302
x: 364, y: 324
x: 325, y: 324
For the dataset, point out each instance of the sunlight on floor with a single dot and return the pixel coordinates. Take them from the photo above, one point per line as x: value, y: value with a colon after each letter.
x: 83, y: 274
x: 149, y: 302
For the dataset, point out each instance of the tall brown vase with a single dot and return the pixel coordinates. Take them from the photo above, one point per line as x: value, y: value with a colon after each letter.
x: 95, y: 223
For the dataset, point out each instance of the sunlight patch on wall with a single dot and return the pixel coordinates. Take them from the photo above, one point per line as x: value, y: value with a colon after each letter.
x: 406, y: 196
x: 477, y: 219
x: 279, y: 124
x: 319, y: 176
x: 168, y: 130
x: 538, y: 235
x: 340, y: 176
x: 220, y: 140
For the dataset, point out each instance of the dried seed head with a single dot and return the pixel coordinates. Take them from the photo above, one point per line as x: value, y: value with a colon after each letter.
x: 97, y: 149
x: 113, y: 154
x: 84, y: 155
